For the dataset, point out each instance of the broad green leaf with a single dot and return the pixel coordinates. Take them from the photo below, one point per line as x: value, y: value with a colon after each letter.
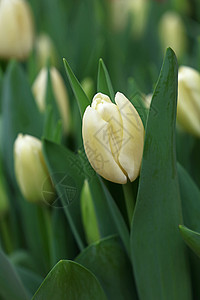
x: 69, y: 280
x: 158, y: 253
x: 20, y: 113
x: 191, y: 238
x: 79, y: 93
x: 190, y: 196
x: 109, y: 263
x: 66, y: 172
x: 104, y: 84
x: 11, y: 286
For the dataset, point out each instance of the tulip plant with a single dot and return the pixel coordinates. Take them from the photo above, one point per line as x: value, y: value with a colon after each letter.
x: 99, y: 182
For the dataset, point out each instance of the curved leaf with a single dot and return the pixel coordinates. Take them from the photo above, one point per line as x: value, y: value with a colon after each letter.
x: 108, y: 261
x: 11, y: 286
x: 69, y: 280
x: 158, y: 253
x: 191, y: 238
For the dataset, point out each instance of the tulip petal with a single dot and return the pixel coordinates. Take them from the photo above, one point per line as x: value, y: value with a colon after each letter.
x: 130, y: 156
x: 110, y: 113
x: 97, y: 147
x: 187, y: 108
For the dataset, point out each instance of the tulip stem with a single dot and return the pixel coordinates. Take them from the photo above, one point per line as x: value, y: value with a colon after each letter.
x: 5, y: 235
x: 129, y: 200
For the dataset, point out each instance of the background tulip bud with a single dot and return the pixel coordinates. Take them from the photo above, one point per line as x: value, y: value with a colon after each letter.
x: 45, y: 51
x: 172, y: 33
x: 113, y: 137
x: 30, y: 169
x: 188, y: 110
x: 135, y: 10
x: 59, y: 90
x: 88, y: 215
x: 16, y: 29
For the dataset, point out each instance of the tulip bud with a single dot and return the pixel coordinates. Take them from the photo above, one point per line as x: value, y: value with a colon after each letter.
x: 16, y: 29
x: 30, y: 169
x: 172, y: 33
x: 59, y: 90
x: 45, y: 50
x: 136, y: 10
x: 113, y: 137
x: 188, y: 109
x: 88, y: 215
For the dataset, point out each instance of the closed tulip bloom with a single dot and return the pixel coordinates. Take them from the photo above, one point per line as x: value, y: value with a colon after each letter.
x: 172, y: 33
x: 45, y: 50
x: 31, y: 170
x: 113, y: 137
x: 16, y: 29
x: 188, y: 110
x: 59, y: 90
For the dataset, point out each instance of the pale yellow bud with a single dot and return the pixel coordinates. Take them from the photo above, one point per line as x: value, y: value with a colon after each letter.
x: 16, y: 29
x: 59, y: 90
x: 135, y: 10
x: 45, y: 50
x: 31, y: 170
x: 113, y: 137
x: 188, y: 110
x: 172, y: 33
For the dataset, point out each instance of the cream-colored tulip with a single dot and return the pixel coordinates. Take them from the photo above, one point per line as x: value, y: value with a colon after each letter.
x: 16, y: 29
x: 113, y: 137
x: 31, y: 170
x: 59, y: 90
x: 188, y: 109
x: 172, y: 33
x: 45, y: 50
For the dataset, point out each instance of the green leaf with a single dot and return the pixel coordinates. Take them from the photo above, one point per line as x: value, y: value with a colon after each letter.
x: 106, y: 224
x: 158, y: 253
x: 118, y: 219
x: 64, y: 245
x: 11, y: 286
x: 104, y: 84
x: 31, y: 280
x: 190, y: 196
x: 20, y: 113
x: 138, y: 100
x: 79, y: 93
x: 191, y: 238
x: 64, y: 168
x: 109, y: 263
x: 69, y: 280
